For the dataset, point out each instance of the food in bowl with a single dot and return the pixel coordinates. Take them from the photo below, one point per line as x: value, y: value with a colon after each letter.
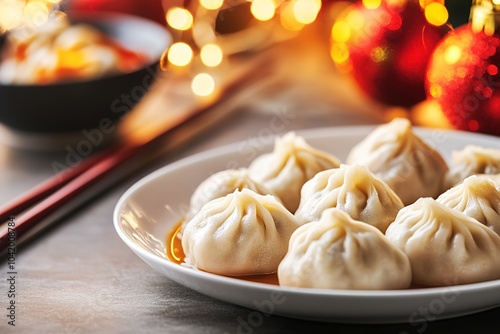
x: 77, y: 105
x: 60, y: 51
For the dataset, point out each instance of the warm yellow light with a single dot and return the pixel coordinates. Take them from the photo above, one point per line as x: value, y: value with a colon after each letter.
x: 452, y: 54
x: 339, y: 53
x: 180, y: 54
x: 436, y: 14
x: 355, y: 19
x: 211, y: 4
x: 203, y: 84
x: 341, y: 32
x: 288, y: 19
x: 211, y: 55
x: 496, y: 2
x: 11, y: 15
x: 436, y: 91
x: 15, y: 13
x: 179, y: 18
x: 306, y: 11
x: 36, y: 12
x: 425, y: 3
x: 263, y: 10
x: 372, y: 4
x: 429, y: 114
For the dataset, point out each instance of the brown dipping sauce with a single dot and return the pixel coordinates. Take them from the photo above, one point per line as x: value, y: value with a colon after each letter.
x: 175, y: 253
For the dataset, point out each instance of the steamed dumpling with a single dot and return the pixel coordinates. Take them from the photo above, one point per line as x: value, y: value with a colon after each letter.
x: 402, y: 159
x: 472, y: 160
x: 445, y: 246
x: 243, y: 233
x: 477, y: 197
x: 353, y: 189
x: 220, y: 184
x: 289, y: 166
x: 338, y: 252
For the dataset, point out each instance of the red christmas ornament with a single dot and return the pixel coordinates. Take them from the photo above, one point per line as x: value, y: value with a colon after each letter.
x: 463, y: 74
x: 386, y: 49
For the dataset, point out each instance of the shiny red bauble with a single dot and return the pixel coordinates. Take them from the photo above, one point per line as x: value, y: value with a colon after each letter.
x: 386, y: 50
x: 463, y: 77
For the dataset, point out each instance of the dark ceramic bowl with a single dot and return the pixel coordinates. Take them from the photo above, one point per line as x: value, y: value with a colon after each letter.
x: 79, y: 105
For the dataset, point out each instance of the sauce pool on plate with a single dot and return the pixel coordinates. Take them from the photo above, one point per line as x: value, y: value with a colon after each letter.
x: 175, y: 253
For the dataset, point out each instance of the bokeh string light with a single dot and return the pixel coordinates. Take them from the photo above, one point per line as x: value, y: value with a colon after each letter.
x: 199, y: 47
x: 179, y: 18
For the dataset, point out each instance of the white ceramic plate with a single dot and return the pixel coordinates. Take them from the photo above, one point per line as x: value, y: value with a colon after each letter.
x: 150, y: 208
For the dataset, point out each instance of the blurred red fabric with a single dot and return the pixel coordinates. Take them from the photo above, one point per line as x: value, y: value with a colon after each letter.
x: 150, y: 9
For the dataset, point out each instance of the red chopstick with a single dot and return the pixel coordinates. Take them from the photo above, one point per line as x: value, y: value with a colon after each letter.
x: 50, y: 196
x: 47, y: 187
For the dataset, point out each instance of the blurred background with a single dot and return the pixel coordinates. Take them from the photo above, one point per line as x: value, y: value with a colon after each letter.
x: 369, y: 60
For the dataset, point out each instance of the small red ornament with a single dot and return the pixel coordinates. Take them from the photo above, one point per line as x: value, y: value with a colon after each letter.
x: 463, y: 75
x: 386, y: 49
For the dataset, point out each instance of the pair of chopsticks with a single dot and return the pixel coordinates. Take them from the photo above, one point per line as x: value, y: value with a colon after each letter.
x: 42, y: 202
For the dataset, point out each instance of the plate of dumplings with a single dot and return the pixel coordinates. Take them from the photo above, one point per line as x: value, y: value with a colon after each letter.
x: 363, y: 224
